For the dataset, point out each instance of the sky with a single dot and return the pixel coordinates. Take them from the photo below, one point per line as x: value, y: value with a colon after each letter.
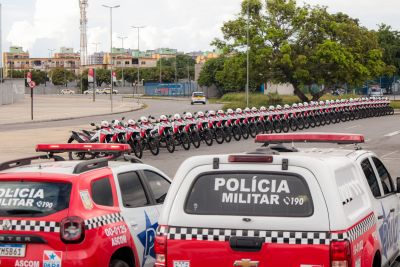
x: 188, y: 25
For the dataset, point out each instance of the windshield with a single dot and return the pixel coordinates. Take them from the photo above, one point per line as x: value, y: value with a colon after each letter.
x: 21, y: 199
x: 251, y: 194
x: 198, y: 94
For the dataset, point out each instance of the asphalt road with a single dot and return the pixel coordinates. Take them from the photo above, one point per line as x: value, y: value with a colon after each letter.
x: 382, y: 136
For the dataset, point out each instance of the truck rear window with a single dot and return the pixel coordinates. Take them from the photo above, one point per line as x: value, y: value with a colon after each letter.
x: 31, y: 199
x: 250, y: 194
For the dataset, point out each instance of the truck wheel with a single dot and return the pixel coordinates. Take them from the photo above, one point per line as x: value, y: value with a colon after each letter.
x: 118, y: 263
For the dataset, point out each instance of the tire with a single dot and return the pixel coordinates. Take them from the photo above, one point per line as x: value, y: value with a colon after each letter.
x: 219, y: 136
x: 195, y: 137
x: 153, y: 146
x: 301, y: 123
x: 227, y: 134
x: 185, y: 141
x: 207, y: 137
x: 136, y: 148
x: 311, y: 120
x: 293, y: 124
x: 268, y: 127
x: 75, y: 155
x: 252, y: 130
x: 237, y: 133
x: 170, y: 143
x: 317, y: 121
x: 245, y: 131
x: 260, y: 127
x: 277, y: 125
x: 118, y: 263
x: 285, y: 126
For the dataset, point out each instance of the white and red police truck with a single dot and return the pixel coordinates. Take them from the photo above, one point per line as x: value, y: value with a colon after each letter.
x: 282, y: 207
x: 79, y: 213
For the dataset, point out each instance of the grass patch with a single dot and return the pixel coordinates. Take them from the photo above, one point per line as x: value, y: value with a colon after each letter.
x: 238, y: 100
x: 395, y: 104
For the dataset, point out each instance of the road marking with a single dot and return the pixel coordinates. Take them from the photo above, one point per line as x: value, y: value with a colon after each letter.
x: 392, y: 134
x: 367, y: 140
x: 351, y: 127
x: 388, y: 154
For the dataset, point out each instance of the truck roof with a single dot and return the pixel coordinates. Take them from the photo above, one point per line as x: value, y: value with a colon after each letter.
x: 59, y: 167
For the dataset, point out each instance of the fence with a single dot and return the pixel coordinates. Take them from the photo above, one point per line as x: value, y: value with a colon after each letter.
x: 170, y: 89
x: 11, y: 91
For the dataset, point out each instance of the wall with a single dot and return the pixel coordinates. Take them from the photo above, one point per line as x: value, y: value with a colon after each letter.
x: 11, y: 91
x: 281, y: 88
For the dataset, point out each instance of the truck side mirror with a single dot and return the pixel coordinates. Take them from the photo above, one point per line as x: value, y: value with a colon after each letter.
x: 398, y: 185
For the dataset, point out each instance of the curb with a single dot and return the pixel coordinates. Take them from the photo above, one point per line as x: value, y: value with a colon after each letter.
x: 167, y: 98
x: 143, y: 106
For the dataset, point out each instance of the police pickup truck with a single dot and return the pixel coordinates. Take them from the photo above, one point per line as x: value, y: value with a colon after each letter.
x: 98, y: 212
x: 282, y: 207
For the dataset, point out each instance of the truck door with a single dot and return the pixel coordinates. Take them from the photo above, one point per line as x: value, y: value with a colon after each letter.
x: 140, y: 213
x: 385, y: 206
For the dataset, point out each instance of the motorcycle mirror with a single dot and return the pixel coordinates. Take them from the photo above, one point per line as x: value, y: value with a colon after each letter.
x: 123, y: 118
x: 92, y: 124
x: 149, y: 116
x: 112, y: 121
x: 184, y: 112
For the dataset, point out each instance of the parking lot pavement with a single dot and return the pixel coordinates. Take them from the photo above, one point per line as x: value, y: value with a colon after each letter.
x: 55, y: 107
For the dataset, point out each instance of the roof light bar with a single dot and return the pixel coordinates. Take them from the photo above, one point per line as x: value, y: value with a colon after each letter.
x: 85, y: 147
x: 339, y: 138
x: 250, y: 158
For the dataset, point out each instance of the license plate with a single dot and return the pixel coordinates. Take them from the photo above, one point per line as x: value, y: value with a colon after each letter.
x: 181, y: 263
x: 12, y: 250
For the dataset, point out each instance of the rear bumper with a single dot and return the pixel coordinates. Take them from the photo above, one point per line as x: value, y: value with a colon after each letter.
x: 68, y: 259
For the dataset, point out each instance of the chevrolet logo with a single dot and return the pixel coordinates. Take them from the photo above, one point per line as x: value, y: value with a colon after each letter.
x: 6, y: 225
x: 246, y: 263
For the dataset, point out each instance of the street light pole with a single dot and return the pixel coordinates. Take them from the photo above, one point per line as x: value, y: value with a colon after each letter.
x: 138, y: 48
x: 160, y: 69
x: 96, y: 44
x: 123, y: 64
x: 247, y: 52
x: 48, y: 63
x: 111, y: 65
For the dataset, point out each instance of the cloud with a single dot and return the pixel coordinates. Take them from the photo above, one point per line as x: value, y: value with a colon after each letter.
x: 53, y: 19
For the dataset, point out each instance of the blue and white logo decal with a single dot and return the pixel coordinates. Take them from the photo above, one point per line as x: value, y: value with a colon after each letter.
x: 147, y: 238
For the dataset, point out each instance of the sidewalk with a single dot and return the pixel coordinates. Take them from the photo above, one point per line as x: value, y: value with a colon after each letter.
x: 57, y: 107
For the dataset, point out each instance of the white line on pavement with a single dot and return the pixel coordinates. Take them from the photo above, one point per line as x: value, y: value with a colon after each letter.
x: 351, y: 127
x: 388, y: 154
x: 392, y: 134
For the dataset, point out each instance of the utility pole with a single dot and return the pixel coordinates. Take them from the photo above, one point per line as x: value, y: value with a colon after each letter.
x: 160, y: 69
x: 247, y: 52
x: 123, y: 60
x: 1, y: 46
x: 138, y: 48
x: 176, y: 69
x: 111, y: 59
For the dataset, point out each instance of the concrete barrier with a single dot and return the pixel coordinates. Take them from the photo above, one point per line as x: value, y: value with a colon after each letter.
x: 11, y: 91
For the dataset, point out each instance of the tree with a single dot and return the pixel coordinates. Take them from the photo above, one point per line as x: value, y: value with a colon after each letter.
x: 103, y: 76
x: 209, y: 73
x: 302, y: 45
x: 183, y: 63
x: 389, y: 40
x: 37, y: 75
x: 61, y: 76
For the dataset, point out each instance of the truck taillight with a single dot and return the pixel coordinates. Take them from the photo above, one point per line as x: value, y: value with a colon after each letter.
x: 340, y: 254
x: 72, y: 230
x: 160, y: 249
